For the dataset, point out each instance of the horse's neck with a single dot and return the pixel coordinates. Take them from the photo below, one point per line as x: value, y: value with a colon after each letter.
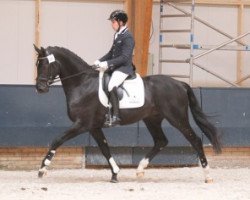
x: 74, y: 73
x: 69, y: 67
x: 70, y: 64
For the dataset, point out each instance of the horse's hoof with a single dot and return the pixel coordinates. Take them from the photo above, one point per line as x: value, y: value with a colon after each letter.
x: 140, y: 174
x: 42, y: 173
x: 114, y: 179
x: 209, y: 180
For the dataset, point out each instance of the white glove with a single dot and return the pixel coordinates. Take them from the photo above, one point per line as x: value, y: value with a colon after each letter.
x: 103, y: 65
x: 97, y: 62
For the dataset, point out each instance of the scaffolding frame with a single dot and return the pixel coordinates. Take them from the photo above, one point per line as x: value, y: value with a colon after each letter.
x: 209, y: 48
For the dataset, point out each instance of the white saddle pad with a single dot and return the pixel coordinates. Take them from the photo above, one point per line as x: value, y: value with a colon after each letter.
x: 135, y: 97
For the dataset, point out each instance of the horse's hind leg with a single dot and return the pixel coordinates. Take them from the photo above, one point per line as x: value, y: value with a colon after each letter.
x: 153, y: 124
x: 184, y: 127
x: 103, y: 145
x: 75, y: 130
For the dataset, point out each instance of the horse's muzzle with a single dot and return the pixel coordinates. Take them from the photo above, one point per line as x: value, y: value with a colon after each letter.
x: 42, y: 87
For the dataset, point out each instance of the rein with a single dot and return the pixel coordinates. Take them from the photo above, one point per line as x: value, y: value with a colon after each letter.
x: 58, y: 79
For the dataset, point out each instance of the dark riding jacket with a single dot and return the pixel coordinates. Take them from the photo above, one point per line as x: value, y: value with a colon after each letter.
x: 120, y: 55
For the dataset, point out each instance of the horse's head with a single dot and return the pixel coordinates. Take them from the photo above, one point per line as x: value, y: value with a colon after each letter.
x: 47, y: 69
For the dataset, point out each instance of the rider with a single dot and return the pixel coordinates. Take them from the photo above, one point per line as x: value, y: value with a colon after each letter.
x: 118, y: 61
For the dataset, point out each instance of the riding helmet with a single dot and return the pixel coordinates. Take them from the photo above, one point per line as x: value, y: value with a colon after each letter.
x: 119, y: 15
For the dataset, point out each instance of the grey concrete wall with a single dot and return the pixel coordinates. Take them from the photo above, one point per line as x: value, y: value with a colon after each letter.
x: 31, y: 119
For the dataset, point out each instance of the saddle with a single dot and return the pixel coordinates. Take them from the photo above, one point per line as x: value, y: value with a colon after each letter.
x: 120, y: 89
x: 130, y: 93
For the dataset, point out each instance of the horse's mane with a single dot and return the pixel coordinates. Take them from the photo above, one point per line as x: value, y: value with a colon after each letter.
x: 71, y: 54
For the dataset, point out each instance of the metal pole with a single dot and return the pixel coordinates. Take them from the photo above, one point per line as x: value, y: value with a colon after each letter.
x: 191, y: 44
x: 215, y: 74
x: 221, y: 45
x: 207, y: 24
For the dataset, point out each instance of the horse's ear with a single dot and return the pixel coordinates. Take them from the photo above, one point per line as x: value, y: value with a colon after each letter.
x: 37, y: 49
x: 44, y: 51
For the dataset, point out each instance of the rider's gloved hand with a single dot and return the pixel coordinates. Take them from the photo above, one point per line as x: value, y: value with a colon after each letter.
x: 97, y: 62
x: 103, y: 65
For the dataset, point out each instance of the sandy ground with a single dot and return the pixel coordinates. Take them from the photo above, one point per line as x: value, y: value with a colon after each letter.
x: 168, y: 183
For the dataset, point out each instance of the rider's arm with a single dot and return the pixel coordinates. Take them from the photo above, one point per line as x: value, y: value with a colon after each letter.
x: 107, y: 56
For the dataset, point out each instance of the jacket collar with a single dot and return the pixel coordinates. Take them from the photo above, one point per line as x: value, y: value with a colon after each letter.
x: 122, y: 30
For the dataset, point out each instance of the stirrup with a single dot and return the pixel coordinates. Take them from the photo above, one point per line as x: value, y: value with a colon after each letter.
x: 115, y: 120
x: 108, y: 124
x: 108, y: 120
x: 111, y: 121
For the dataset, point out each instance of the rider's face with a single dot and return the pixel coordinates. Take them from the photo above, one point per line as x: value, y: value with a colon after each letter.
x: 115, y: 25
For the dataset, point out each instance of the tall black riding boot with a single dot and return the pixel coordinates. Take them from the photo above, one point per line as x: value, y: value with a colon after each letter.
x: 114, y: 100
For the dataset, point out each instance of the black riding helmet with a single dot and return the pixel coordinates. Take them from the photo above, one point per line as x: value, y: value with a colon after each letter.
x: 119, y: 15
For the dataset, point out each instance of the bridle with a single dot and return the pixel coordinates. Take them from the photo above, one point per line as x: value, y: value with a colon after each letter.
x: 49, y: 79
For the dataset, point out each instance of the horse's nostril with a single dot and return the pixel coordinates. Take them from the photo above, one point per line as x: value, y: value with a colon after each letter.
x: 41, y: 88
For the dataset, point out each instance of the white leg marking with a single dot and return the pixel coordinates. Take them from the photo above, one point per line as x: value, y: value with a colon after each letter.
x: 114, y: 165
x: 53, y: 151
x: 47, y: 162
x: 142, y: 165
x: 44, y: 170
x: 208, y: 178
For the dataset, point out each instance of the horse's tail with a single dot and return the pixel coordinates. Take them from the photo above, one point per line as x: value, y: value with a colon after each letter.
x: 201, y: 120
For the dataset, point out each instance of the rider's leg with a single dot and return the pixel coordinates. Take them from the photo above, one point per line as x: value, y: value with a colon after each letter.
x: 114, y: 100
x: 117, y: 79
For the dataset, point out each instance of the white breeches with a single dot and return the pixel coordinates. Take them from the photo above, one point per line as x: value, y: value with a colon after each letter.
x: 117, y: 79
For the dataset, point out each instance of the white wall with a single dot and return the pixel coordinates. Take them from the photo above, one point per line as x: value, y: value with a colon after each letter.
x: 82, y: 27
x: 246, y: 56
x: 16, y: 39
x: 78, y: 26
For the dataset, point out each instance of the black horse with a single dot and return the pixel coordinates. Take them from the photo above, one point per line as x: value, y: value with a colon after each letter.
x: 165, y: 98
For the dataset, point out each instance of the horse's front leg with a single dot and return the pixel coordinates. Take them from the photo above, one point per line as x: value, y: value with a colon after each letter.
x: 103, y: 145
x: 75, y: 130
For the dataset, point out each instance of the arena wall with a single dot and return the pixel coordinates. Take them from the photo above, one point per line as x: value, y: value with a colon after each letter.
x: 30, y: 121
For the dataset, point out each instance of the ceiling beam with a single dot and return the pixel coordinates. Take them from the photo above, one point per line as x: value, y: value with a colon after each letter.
x: 224, y: 2
x: 208, y: 2
x: 211, y: 2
